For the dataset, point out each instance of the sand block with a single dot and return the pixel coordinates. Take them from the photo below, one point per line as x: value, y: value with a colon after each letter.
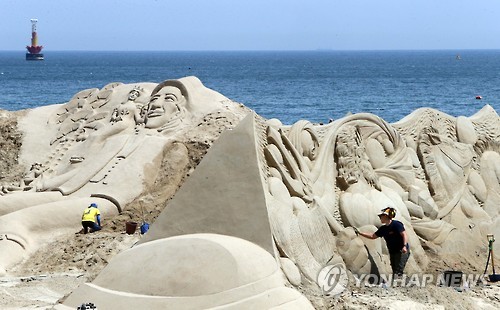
x: 222, y: 194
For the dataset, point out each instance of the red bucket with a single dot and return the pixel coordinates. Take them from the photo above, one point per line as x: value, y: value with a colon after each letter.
x: 130, y: 227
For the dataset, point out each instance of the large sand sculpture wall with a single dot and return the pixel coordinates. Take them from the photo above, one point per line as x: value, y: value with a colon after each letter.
x: 296, y: 192
x: 104, y: 146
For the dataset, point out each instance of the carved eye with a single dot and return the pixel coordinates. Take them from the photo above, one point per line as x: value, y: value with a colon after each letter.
x: 170, y: 98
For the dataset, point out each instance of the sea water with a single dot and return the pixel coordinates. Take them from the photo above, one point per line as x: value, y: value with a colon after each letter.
x: 288, y: 85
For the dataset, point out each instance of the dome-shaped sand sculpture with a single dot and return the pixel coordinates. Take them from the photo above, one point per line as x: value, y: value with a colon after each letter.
x: 268, y: 207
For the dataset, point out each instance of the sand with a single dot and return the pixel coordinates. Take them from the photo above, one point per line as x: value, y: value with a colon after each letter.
x: 58, y: 268
x: 61, y: 266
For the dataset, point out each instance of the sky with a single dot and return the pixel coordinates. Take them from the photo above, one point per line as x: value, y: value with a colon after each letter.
x: 192, y: 25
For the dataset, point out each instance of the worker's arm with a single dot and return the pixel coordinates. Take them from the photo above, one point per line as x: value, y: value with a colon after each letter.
x: 405, y: 241
x: 366, y: 235
x: 98, y: 217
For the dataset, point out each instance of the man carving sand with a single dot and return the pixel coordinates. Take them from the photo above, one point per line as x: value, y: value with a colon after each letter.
x: 395, y: 236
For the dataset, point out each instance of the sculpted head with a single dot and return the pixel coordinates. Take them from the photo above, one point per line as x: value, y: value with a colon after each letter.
x: 173, y: 102
x: 304, y: 138
x: 128, y: 101
x: 168, y: 102
x: 134, y: 94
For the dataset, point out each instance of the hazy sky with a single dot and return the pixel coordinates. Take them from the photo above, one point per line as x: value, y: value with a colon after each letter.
x: 251, y: 25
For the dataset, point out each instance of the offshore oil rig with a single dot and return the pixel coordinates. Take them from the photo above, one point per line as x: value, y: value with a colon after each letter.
x: 35, y: 49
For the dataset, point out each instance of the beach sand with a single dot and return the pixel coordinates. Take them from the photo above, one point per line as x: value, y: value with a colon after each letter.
x: 60, y: 267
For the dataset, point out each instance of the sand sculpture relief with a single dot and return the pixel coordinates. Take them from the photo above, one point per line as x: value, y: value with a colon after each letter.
x: 361, y: 164
x: 83, y: 150
x: 289, y: 194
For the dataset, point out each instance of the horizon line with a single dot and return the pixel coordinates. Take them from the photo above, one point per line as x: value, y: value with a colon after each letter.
x: 278, y: 50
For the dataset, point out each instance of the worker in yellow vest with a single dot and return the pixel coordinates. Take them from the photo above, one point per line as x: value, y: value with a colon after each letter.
x: 91, y: 218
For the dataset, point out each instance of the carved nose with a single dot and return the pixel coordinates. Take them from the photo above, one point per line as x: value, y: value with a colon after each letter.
x: 154, y: 106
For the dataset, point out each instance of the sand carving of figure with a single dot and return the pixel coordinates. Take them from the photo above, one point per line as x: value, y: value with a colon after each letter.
x: 459, y: 156
x: 448, y: 166
x: 97, y: 142
x: 305, y: 219
x: 369, y: 161
x: 175, y: 104
x: 103, y: 147
x: 482, y: 130
x: 26, y: 183
x: 377, y: 170
x: 298, y: 217
x: 133, y: 106
x: 399, y: 168
x: 485, y: 184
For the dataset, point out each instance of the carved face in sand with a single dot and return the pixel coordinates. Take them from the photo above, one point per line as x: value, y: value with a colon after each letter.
x: 136, y: 100
x: 166, y: 105
x: 134, y: 94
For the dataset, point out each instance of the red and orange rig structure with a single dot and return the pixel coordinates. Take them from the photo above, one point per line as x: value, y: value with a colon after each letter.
x: 35, y: 49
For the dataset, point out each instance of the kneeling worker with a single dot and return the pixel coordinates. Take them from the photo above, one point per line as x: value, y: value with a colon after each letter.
x: 89, y: 218
x: 395, y: 236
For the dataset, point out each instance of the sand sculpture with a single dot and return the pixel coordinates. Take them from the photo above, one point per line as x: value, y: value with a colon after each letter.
x: 82, y: 151
x: 268, y: 195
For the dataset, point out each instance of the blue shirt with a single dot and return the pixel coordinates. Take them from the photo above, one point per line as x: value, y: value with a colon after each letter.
x: 392, y: 235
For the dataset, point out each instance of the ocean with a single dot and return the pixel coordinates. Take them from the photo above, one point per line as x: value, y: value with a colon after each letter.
x: 288, y: 85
